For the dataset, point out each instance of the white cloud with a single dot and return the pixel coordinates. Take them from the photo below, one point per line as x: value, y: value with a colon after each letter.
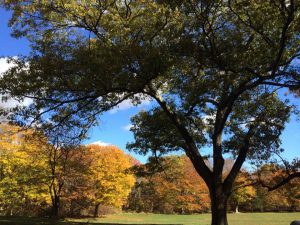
x: 127, y: 127
x: 127, y: 104
x: 10, y: 103
x: 100, y: 143
x: 4, y: 65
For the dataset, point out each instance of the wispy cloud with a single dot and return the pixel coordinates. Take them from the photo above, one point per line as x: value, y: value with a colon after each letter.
x: 127, y: 127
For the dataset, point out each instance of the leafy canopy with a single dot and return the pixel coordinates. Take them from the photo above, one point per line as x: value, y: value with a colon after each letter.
x: 211, y: 67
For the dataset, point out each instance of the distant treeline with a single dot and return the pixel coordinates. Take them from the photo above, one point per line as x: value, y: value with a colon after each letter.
x: 175, y: 187
x: 40, y: 179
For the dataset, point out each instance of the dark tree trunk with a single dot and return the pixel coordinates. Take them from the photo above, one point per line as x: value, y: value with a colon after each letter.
x: 96, y: 211
x: 218, y: 208
x: 55, y: 206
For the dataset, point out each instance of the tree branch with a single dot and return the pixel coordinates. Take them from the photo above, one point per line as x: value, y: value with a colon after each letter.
x: 281, y: 183
x: 228, y: 182
x: 191, y: 149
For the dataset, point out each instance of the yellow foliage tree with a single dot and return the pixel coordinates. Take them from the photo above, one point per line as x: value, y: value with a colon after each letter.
x: 110, y: 179
x: 23, y: 171
x: 244, y: 193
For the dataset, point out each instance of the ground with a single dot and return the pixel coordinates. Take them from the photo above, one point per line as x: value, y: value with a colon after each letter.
x: 134, y: 218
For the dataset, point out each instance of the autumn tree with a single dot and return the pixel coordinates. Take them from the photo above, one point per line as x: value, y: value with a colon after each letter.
x: 35, y: 171
x: 38, y: 174
x: 194, y: 193
x: 283, y: 198
x: 242, y: 192
x: 24, y: 173
x: 67, y: 172
x: 169, y: 185
x: 110, y: 179
x: 166, y: 184
x: 211, y: 67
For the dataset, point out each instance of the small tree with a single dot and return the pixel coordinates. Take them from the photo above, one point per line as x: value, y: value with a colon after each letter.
x: 243, y: 194
x: 110, y: 180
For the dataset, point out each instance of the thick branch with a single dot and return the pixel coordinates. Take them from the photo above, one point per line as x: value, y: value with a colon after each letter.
x: 270, y: 188
x: 281, y: 183
x: 191, y: 148
x: 228, y: 183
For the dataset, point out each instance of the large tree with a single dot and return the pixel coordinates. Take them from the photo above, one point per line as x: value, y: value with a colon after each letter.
x: 210, y: 66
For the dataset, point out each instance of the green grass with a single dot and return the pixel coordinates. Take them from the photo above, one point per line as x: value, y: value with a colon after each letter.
x: 134, y: 218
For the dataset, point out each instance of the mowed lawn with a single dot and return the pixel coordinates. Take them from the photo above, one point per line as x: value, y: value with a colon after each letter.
x: 202, y: 219
x: 134, y: 218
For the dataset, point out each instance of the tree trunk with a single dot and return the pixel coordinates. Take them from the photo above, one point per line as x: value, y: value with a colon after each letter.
x: 55, y: 206
x: 96, y: 211
x: 218, y: 208
x: 237, y: 208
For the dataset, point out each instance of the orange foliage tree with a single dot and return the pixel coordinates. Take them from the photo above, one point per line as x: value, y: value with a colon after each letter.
x: 286, y: 197
x: 194, y: 194
x: 169, y: 185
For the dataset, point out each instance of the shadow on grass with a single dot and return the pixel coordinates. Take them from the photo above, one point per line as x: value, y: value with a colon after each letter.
x: 4, y: 220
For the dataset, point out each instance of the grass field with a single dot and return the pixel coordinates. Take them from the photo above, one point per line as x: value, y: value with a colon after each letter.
x: 134, y: 218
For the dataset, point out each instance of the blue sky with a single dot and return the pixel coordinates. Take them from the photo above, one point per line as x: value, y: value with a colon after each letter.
x: 114, y: 125
x: 8, y: 45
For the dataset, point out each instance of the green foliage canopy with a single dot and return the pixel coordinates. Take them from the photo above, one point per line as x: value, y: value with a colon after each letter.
x: 211, y: 67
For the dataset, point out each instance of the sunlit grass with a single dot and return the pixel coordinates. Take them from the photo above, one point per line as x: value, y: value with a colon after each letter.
x: 202, y: 219
x: 135, y: 218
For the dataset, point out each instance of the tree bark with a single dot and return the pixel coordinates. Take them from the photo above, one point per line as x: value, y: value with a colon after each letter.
x: 218, y: 208
x: 96, y: 210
